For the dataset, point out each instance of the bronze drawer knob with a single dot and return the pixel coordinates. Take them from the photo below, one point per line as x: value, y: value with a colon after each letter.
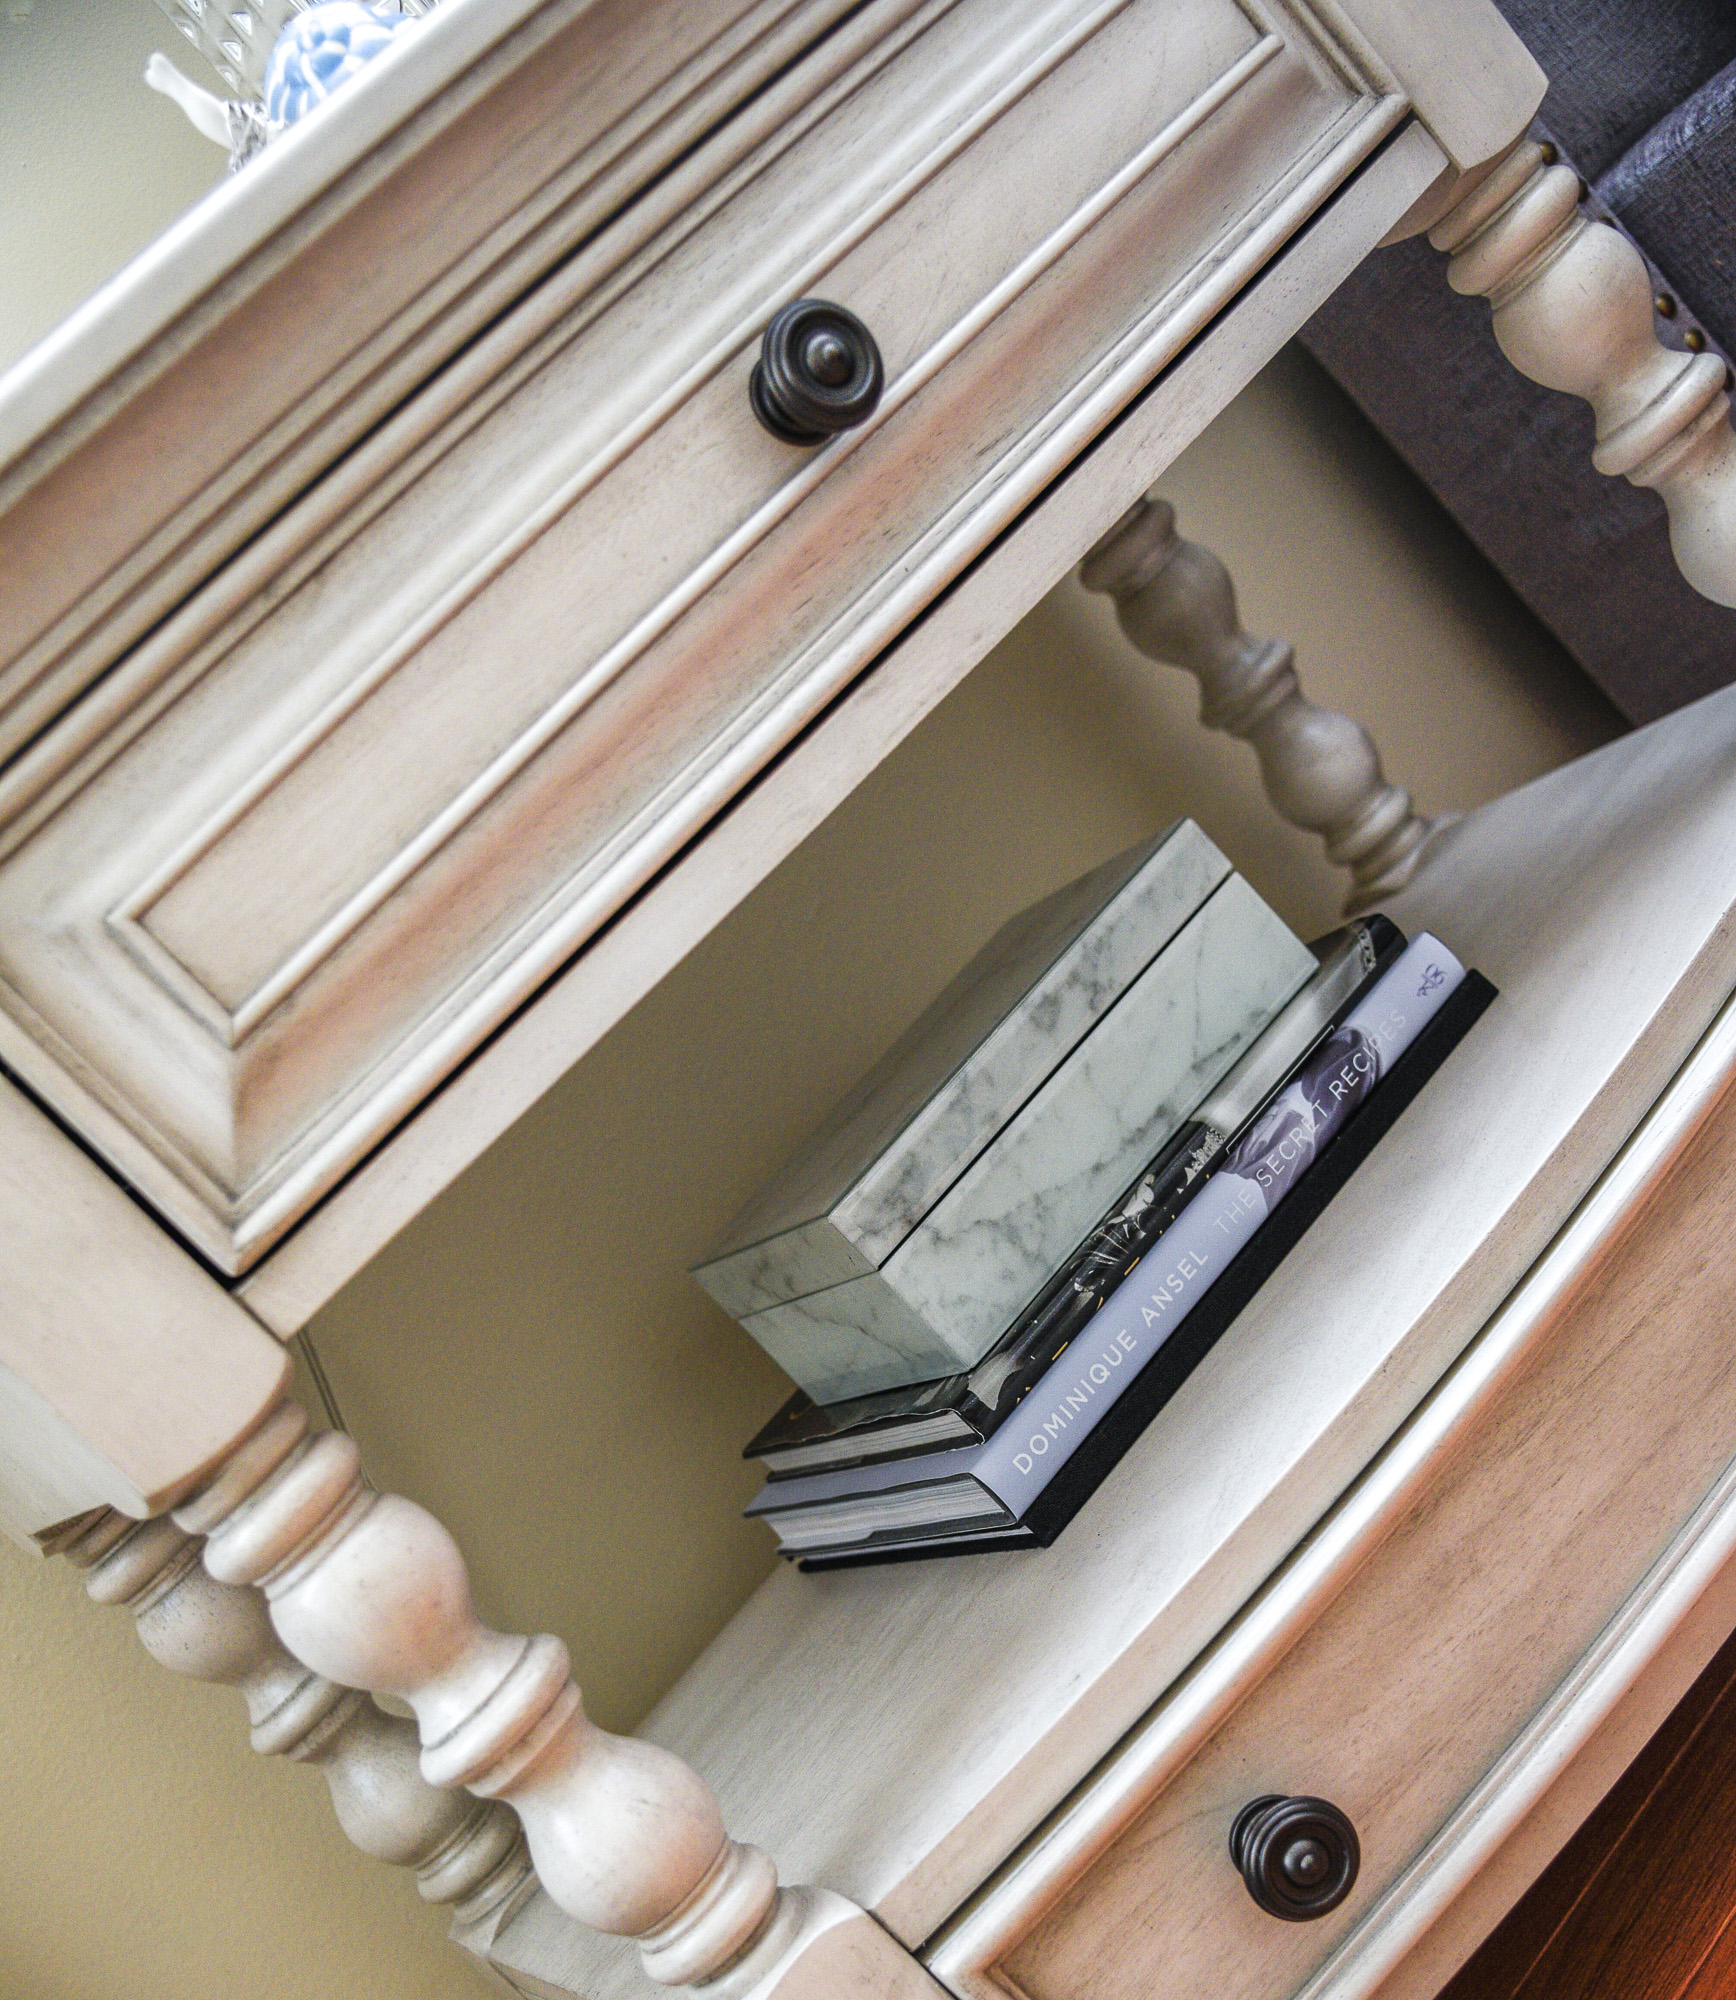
x: 1298, y: 1856
x: 819, y: 373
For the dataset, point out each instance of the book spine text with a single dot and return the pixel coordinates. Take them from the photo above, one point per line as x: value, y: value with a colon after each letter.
x: 1259, y: 1169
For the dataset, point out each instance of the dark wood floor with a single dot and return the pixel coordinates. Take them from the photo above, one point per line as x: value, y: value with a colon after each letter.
x: 1641, y: 1903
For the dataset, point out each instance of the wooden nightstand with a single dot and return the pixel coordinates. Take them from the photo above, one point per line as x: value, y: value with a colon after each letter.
x: 414, y: 641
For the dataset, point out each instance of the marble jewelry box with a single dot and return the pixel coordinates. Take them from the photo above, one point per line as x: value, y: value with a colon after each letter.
x: 944, y: 1191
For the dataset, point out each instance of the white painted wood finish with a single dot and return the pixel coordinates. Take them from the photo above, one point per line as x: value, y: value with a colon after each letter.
x: 1572, y: 306
x: 946, y: 1710
x: 387, y: 771
x: 126, y: 1372
x: 1321, y: 771
x: 371, y: 1592
x: 464, y: 1852
x: 1474, y: 85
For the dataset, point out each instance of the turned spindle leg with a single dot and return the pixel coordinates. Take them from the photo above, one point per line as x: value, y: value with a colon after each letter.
x: 1175, y: 601
x: 464, y: 1852
x: 370, y: 1591
x: 1572, y: 304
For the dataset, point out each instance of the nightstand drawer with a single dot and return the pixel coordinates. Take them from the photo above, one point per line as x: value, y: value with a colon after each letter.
x: 385, y: 774
x: 1577, y: 1485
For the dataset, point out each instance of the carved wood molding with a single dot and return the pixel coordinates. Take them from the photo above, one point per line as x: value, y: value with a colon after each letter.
x: 541, y: 124
x: 1176, y: 602
x: 1572, y: 303
x: 469, y: 1854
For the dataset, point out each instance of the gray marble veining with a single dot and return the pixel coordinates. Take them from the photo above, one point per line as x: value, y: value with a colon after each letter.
x: 1008, y: 1223
x: 849, y: 1341
x: 915, y: 1123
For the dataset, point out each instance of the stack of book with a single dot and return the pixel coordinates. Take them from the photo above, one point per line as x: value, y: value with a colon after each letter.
x: 1005, y: 1250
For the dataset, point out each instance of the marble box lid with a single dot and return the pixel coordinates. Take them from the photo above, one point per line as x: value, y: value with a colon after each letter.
x: 913, y: 1126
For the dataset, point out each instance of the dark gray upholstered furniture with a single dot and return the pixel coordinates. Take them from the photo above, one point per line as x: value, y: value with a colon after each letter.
x: 1642, y: 101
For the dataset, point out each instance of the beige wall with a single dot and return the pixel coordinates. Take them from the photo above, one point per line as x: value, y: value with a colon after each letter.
x: 530, y: 1360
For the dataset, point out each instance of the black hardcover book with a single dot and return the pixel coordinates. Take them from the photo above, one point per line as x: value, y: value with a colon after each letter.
x: 968, y: 1407
x: 1160, y: 1378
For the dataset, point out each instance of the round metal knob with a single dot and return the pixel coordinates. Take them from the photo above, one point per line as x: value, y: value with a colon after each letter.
x: 818, y: 373
x: 1299, y: 1857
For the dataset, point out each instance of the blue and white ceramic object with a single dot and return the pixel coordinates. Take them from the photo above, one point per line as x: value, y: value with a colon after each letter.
x: 319, y: 51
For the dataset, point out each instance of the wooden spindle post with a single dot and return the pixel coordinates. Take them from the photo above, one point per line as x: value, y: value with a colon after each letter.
x: 370, y: 1591
x: 1321, y: 771
x: 464, y: 1852
x: 1572, y: 302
